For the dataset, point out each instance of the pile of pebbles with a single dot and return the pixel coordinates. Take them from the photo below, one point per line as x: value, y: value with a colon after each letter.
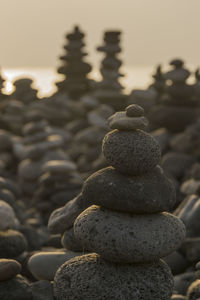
x: 127, y: 258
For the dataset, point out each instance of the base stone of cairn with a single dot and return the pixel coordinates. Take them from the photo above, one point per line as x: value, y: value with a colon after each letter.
x: 127, y: 238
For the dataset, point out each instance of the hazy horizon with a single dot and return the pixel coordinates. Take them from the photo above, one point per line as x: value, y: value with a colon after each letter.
x: 153, y: 31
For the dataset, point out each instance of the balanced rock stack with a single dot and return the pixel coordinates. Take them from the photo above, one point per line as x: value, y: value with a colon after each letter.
x: 127, y: 228
x: 74, y: 68
x: 159, y: 81
x: 12, y: 115
x: 58, y: 184
x: 179, y: 107
x: 24, y: 91
x: 109, y: 90
x: 37, y: 147
x: 2, y: 83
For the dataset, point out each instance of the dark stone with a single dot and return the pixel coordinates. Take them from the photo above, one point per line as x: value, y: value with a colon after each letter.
x: 134, y: 110
x: 90, y: 277
x: 176, y: 164
x: 176, y: 262
x: 191, y: 248
x: 183, y: 281
x: 17, y: 288
x: 149, y: 193
x: 9, y: 268
x: 174, y: 118
x: 131, y: 152
x: 12, y: 244
x: 70, y: 242
x: 42, y: 290
x: 63, y: 218
x: 128, y: 238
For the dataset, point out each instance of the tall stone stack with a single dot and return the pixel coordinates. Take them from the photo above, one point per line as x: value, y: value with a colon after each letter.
x: 109, y: 89
x: 2, y: 82
x: 24, y: 91
x: 74, y: 68
x: 179, y: 106
x: 159, y: 82
x: 128, y: 229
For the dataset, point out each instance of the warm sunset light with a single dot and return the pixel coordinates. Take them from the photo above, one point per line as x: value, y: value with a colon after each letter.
x: 99, y: 150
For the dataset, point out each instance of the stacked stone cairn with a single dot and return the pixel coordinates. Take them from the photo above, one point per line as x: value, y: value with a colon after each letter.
x: 2, y: 85
x: 24, y: 91
x: 149, y: 97
x: 159, y: 82
x: 12, y: 115
x: 127, y: 230
x: 59, y: 183
x: 179, y: 106
x: 109, y: 89
x: 38, y: 146
x: 74, y: 68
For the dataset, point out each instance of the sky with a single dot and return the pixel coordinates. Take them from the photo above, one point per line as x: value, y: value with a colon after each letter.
x: 153, y: 31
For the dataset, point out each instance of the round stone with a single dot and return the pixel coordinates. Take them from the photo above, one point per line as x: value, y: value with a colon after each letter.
x: 149, y: 193
x: 12, y: 244
x: 135, y: 111
x: 132, y: 153
x: 128, y: 238
x: 90, y: 277
x: 9, y: 268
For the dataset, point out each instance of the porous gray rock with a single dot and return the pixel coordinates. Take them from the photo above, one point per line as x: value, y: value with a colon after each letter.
x: 134, y: 153
x: 90, y: 277
x: 128, y: 238
x: 148, y: 193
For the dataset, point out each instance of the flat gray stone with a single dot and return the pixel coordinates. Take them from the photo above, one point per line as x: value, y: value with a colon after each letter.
x: 43, y: 265
x: 121, y: 121
x: 128, y: 238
